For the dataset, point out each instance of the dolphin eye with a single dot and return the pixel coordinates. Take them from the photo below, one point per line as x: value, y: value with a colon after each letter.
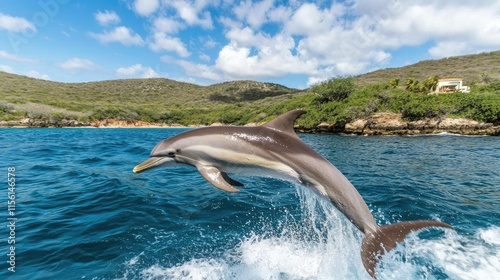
x: 171, y: 152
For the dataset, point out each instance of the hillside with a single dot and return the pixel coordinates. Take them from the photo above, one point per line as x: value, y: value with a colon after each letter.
x: 31, y: 102
x: 482, y: 68
x: 146, y: 99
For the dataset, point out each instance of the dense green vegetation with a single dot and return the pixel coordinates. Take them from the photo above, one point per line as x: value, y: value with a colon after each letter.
x: 336, y: 101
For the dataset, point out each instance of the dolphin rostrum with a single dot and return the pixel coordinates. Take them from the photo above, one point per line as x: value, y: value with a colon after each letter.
x: 273, y: 149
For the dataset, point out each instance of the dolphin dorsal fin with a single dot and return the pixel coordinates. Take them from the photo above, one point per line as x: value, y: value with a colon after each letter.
x: 284, y: 122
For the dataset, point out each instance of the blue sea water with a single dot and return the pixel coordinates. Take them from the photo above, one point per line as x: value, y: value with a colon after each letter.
x: 82, y: 214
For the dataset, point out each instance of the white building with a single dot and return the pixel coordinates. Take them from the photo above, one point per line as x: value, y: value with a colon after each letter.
x: 451, y: 85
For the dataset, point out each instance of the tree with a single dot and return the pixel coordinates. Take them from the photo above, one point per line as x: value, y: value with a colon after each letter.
x: 431, y: 83
x: 335, y: 89
x: 394, y: 83
x: 409, y: 84
x: 417, y: 87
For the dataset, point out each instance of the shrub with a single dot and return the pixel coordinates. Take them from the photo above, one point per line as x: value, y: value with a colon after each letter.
x: 335, y: 89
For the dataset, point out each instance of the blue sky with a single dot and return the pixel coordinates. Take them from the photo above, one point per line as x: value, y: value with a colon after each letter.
x: 294, y: 43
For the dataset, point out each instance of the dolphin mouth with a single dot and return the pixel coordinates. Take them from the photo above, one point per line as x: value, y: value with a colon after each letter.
x: 152, y: 162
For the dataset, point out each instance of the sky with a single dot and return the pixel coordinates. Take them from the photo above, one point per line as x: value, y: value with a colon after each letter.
x: 294, y: 43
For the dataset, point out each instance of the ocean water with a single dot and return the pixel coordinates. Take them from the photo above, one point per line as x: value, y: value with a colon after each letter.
x: 80, y: 212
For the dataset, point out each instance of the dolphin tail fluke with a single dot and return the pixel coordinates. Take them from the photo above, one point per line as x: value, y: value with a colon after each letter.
x: 385, y: 238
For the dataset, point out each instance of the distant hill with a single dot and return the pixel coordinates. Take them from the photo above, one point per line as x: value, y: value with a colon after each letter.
x: 481, y: 68
x: 34, y: 96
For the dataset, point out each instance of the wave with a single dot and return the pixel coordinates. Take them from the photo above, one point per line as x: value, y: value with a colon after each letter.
x: 324, y: 245
x: 444, y: 133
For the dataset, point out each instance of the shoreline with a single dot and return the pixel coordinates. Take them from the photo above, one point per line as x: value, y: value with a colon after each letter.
x: 377, y: 124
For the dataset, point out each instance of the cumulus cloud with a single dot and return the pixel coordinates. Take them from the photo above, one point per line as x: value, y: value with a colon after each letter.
x: 136, y: 71
x: 78, y: 65
x: 120, y: 34
x: 192, y: 14
x: 167, y: 25
x: 146, y: 7
x: 164, y: 42
x: 255, y: 14
x: 107, y: 18
x: 15, y: 24
x: 268, y: 57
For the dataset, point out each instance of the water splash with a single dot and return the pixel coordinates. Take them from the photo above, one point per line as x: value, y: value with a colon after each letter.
x: 322, y: 244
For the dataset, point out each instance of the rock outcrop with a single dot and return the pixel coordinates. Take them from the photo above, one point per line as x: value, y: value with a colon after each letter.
x: 128, y: 123
x: 393, y: 124
x: 29, y: 122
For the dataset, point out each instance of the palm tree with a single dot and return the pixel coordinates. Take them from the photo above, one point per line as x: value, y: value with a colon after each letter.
x: 431, y: 83
x: 409, y: 84
x: 417, y: 87
x: 394, y: 83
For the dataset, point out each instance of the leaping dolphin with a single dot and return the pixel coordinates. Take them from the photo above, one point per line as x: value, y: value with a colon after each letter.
x: 273, y: 149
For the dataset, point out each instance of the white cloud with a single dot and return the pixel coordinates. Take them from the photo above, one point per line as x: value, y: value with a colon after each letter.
x: 15, y: 24
x: 255, y: 14
x: 8, y: 69
x: 468, y: 29
x: 200, y: 70
x: 18, y: 58
x: 136, y: 71
x: 120, y: 34
x: 107, y: 18
x: 273, y: 57
x: 146, y: 7
x: 209, y: 42
x: 167, y: 25
x: 204, y: 57
x: 309, y: 19
x: 78, y: 64
x: 37, y: 75
x: 163, y: 42
x: 193, y: 14
x: 280, y: 14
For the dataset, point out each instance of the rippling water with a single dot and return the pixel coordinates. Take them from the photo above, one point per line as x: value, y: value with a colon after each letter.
x: 82, y: 214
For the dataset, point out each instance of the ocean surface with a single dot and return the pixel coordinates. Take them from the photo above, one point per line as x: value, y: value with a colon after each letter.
x: 81, y: 213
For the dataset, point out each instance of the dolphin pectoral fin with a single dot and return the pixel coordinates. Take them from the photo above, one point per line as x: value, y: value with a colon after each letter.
x: 216, y: 178
x: 385, y: 238
x: 232, y: 182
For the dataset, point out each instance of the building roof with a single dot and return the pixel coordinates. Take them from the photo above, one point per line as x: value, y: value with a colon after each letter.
x: 450, y: 79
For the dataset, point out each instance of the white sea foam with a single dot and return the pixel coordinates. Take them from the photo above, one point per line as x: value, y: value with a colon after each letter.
x: 456, y: 256
x: 444, y: 133
x: 324, y: 245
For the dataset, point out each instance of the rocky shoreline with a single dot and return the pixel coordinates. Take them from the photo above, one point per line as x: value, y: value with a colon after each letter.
x: 394, y: 124
x: 378, y: 124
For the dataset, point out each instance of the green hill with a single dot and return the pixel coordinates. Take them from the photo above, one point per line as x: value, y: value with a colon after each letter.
x: 144, y: 99
x: 481, y: 68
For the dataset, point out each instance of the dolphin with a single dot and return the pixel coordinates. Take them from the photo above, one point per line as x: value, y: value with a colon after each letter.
x: 274, y: 150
